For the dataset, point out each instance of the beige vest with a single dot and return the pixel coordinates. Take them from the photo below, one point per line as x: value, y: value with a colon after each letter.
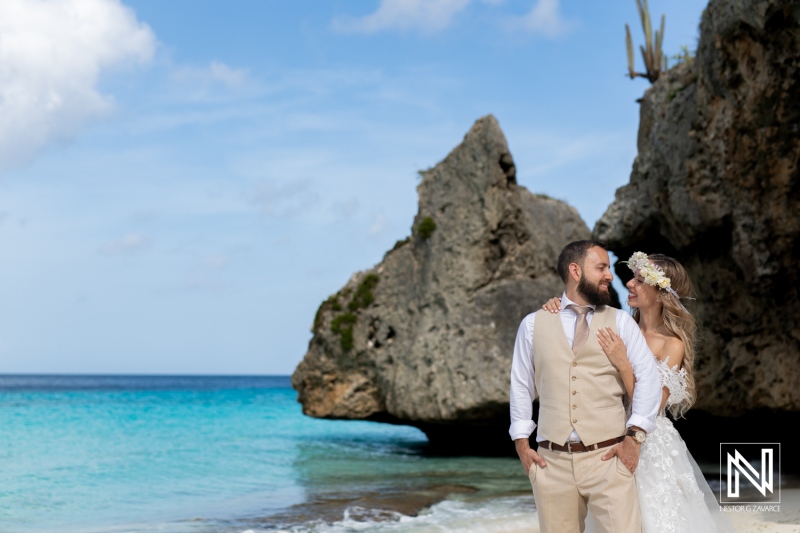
x: 582, y: 392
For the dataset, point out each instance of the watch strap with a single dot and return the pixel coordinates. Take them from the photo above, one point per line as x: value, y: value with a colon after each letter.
x: 633, y: 433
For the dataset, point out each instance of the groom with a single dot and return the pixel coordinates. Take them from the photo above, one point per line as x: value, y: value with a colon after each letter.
x: 587, y: 450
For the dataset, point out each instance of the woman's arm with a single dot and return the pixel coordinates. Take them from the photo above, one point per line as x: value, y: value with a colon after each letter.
x: 617, y: 354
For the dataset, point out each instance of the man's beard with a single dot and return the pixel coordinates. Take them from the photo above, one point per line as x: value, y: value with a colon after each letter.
x: 592, y: 293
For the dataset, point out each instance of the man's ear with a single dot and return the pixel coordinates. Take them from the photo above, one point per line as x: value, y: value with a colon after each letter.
x: 575, y: 271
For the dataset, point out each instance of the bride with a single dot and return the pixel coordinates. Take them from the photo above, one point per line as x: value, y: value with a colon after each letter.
x: 673, y: 495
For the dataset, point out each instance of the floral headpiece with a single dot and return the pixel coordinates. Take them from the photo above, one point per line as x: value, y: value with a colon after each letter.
x: 652, y: 274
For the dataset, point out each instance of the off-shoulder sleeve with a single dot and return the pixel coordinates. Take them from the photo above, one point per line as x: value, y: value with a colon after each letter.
x: 674, y: 380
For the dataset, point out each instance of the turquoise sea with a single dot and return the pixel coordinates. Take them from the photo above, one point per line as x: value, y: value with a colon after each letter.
x: 228, y: 454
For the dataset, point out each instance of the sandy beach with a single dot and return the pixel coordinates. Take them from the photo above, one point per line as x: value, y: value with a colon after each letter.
x: 785, y: 521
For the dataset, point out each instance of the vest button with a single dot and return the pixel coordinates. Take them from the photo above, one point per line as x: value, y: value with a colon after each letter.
x: 574, y: 406
x: 574, y: 392
x: 574, y: 420
x: 574, y: 364
x: 574, y: 378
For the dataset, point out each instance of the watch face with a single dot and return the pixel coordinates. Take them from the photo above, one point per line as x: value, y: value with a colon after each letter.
x: 640, y: 436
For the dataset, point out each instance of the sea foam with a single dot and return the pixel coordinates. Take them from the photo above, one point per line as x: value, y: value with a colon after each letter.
x: 498, y: 515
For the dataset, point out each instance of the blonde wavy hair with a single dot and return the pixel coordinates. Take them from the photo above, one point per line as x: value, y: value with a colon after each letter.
x: 679, y: 322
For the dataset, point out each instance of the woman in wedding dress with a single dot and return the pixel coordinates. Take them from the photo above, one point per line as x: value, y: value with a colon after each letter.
x: 673, y: 494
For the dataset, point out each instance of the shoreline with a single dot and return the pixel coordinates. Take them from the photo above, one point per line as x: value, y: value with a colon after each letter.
x: 517, y: 514
x: 754, y: 521
x: 512, y: 514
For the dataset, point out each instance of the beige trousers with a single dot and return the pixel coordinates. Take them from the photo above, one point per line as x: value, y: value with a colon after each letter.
x: 572, y: 483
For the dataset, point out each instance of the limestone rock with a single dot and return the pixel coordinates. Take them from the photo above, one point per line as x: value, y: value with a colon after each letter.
x: 426, y: 337
x: 716, y: 184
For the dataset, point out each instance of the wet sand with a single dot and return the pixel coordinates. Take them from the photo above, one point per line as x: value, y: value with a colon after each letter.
x: 375, y: 506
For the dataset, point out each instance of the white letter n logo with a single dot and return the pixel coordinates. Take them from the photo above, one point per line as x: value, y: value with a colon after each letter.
x: 736, y: 465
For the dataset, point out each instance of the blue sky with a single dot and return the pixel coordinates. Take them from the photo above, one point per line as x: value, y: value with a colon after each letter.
x: 182, y: 183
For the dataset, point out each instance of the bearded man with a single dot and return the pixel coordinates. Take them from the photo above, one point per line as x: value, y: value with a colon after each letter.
x: 588, y: 447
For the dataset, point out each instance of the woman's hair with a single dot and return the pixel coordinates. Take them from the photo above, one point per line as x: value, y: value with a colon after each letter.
x: 678, y: 322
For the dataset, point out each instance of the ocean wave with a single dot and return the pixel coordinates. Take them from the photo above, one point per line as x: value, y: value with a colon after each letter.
x: 499, y: 515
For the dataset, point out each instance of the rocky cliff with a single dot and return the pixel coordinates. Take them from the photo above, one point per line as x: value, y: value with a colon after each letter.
x: 426, y: 337
x: 716, y: 184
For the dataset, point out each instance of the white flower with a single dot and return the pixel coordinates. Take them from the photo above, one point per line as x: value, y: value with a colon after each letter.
x: 651, y: 273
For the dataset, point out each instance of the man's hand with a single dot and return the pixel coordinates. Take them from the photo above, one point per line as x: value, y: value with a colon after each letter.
x: 528, y: 455
x: 628, y: 453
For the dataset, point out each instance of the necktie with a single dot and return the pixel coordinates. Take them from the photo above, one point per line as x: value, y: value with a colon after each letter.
x: 581, y: 327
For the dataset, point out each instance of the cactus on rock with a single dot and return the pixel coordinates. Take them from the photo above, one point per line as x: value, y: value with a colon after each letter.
x: 655, y: 61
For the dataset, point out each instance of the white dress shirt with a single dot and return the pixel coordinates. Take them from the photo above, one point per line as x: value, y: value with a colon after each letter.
x: 646, y: 394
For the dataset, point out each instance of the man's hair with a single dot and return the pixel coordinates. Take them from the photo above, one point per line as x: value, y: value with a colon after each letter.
x: 574, y: 252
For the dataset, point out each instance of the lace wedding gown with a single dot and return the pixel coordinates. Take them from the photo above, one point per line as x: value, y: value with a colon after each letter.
x: 673, y: 494
x: 674, y: 497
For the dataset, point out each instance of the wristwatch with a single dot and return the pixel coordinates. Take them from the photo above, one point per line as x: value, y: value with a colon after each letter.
x: 638, y: 436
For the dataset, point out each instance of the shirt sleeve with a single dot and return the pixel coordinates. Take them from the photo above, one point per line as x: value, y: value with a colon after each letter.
x: 523, y: 390
x: 647, y: 392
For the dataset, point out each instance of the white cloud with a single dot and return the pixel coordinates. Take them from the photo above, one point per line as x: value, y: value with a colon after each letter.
x: 431, y: 16
x: 427, y: 15
x: 227, y: 75
x: 541, y: 153
x: 51, y: 56
x: 215, y: 73
x: 544, y: 19
x: 127, y: 244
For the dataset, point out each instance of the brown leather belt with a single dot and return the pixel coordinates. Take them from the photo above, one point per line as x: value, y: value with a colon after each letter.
x: 573, y: 447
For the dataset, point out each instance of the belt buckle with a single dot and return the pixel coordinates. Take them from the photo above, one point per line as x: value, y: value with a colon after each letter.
x: 569, y: 446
